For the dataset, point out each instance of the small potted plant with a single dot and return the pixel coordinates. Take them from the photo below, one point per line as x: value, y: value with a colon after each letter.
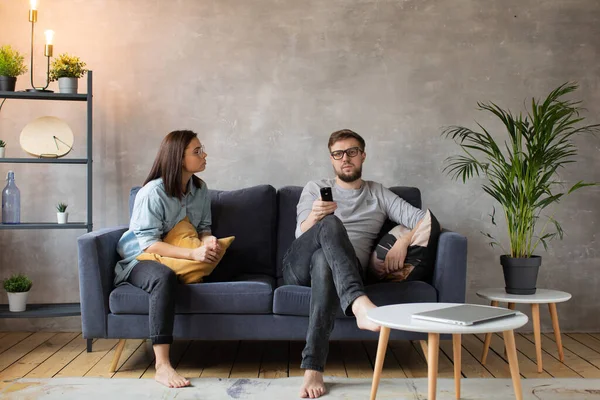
x: 62, y: 215
x: 2, y: 148
x: 17, y: 287
x: 67, y: 69
x: 12, y: 64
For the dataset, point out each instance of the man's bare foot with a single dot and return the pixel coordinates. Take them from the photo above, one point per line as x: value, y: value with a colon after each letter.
x: 313, y: 385
x: 166, y: 375
x: 360, y: 306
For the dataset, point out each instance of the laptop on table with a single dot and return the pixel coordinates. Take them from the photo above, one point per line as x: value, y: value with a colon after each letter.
x: 464, y: 314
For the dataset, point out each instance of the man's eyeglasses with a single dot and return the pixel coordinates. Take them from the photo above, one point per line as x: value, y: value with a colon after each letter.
x: 351, y: 152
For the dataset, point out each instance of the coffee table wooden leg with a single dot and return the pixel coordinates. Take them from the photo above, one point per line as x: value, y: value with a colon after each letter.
x: 510, y: 306
x: 513, y: 362
x: 488, y: 340
x: 384, y: 336
x: 433, y: 346
x: 456, y: 355
x: 535, y: 316
x: 555, y: 326
x: 424, y: 348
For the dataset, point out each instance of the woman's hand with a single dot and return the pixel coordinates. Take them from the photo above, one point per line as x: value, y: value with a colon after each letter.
x: 205, y: 254
x: 211, y: 242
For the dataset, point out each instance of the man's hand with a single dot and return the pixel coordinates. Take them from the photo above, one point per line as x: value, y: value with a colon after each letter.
x: 394, y: 260
x: 321, y: 209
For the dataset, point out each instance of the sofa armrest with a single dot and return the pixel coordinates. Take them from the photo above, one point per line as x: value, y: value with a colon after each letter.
x: 97, y: 256
x: 450, y: 274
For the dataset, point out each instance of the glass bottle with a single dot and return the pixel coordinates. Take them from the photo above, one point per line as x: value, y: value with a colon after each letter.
x: 11, y: 201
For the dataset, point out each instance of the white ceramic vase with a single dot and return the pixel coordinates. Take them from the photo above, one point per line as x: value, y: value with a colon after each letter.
x: 17, y: 302
x: 2, y: 149
x: 62, y: 217
x: 67, y: 85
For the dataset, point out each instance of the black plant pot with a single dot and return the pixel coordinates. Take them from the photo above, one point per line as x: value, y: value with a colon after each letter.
x: 520, y: 274
x: 7, y: 83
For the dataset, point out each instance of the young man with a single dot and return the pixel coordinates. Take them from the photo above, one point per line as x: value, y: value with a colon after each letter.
x: 333, y: 242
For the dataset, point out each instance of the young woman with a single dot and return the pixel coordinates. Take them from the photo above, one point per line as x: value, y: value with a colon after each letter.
x: 171, y: 192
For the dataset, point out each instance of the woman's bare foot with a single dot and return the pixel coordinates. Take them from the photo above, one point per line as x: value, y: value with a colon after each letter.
x: 166, y: 375
x: 360, y: 306
x: 313, y: 385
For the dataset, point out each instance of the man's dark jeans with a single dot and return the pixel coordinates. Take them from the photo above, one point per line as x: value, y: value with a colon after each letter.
x: 324, y: 259
x: 160, y: 282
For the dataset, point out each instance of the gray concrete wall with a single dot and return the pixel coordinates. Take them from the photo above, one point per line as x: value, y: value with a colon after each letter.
x: 264, y: 82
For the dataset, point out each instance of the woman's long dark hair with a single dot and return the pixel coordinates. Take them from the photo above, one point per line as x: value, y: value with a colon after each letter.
x: 168, y: 163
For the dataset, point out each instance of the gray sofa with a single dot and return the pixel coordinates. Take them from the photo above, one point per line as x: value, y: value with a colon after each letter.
x: 245, y: 298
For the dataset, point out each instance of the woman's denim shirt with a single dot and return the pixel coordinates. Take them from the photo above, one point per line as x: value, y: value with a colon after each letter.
x: 154, y: 214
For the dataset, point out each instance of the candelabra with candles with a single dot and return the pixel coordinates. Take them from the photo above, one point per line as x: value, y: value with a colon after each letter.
x: 47, y: 48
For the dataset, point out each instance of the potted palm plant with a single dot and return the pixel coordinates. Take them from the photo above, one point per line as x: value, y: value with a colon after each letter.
x: 2, y: 148
x: 12, y: 64
x: 17, y: 287
x: 67, y: 69
x: 521, y: 175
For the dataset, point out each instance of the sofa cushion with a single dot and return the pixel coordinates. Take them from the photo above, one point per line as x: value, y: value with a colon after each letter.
x: 185, y: 235
x: 287, y: 200
x: 249, y: 294
x: 420, y: 255
x: 249, y: 214
x: 295, y: 300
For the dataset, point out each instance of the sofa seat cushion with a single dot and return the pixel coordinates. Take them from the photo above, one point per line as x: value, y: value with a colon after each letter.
x: 249, y: 294
x: 295, y: 300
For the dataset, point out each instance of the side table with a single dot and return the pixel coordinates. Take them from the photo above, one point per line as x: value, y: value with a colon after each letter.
x: 541, y: 296
x: 399, y: 316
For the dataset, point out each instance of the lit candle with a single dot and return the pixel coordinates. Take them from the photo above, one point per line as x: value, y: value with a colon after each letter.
x: 49, y: 35
x: 48, y: 49
x: 33, y: 11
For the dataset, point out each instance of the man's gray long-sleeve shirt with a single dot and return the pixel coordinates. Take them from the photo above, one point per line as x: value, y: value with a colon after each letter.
x: 362, y: 211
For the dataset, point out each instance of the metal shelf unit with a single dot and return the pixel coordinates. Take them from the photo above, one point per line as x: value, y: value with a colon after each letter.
x: 46, y: 225
x: 43, y: 311
x: 43, y: 160
x: 55, y: 309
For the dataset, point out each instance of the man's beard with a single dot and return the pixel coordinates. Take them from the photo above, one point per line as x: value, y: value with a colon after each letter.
x: 354, y: 176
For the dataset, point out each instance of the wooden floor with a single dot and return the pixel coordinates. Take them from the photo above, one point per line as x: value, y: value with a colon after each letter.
x: 47, y: 354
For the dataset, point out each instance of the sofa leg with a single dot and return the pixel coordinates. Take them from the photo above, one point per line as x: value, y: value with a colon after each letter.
x: 89, y: 345
x: 118, y: 351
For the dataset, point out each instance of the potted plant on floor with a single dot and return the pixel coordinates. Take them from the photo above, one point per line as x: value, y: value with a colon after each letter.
x: 62, y: 215
x: 67, y: 69
x: 12, y: 64
x: 2, y: 148
x: 521, y: 175
x: 17, y: 287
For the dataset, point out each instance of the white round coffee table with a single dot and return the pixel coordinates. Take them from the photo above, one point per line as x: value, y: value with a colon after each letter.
x: 399, y: 316
x: 541, y: 296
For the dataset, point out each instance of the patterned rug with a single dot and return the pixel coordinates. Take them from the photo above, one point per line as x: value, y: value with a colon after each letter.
x: 287, y: 388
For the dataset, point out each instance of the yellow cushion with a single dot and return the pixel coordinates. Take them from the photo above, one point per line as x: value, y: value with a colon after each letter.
x: 184, y: 235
